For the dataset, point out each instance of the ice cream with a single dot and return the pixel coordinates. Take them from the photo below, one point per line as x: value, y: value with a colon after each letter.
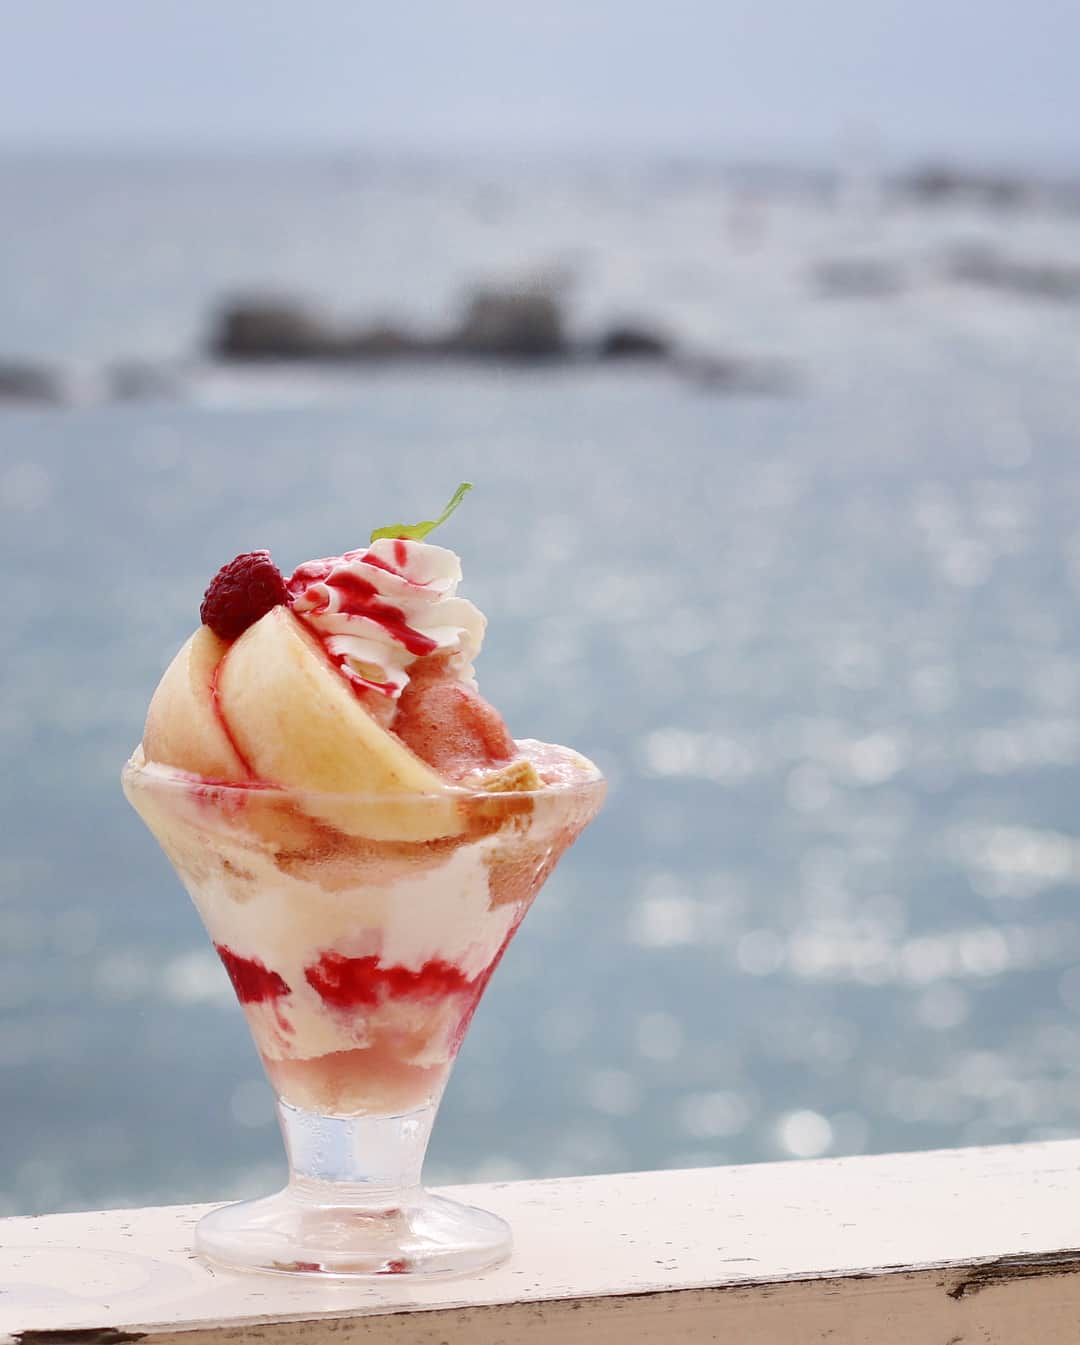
x: 357, y: 827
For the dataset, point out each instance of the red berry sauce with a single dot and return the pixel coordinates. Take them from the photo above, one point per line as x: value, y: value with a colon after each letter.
x: 253, y: 982
x: 355, y: 982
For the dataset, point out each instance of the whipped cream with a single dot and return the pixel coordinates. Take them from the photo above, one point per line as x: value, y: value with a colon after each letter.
x: 378, y: 610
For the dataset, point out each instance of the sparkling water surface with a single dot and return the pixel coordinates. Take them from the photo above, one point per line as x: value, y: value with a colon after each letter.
x: 824, y: 645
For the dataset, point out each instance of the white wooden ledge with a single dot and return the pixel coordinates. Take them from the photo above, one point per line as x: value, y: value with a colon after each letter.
x: 974, y: 1245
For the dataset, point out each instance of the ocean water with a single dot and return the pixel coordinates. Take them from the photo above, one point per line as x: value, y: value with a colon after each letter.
x: 825, y: 646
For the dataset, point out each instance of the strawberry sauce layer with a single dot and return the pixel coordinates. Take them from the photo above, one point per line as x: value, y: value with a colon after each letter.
x: 355, y: 982
x: 253, y: 982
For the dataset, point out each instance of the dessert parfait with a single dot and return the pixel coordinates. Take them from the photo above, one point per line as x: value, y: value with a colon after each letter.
x: 362, y: 836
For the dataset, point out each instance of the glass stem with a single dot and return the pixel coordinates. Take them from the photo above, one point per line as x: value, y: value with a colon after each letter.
x: 366, y: 1160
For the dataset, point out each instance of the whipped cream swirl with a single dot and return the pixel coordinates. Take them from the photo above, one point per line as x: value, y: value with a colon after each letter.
x: 378, y: 610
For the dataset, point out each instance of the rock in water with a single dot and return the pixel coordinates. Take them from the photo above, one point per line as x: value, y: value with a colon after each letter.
x: 511, y: 324
x: 273, y: 329
x: 628, y: 341
x: 31, y: 383
x: 978, y: 264
x: 385, y: 341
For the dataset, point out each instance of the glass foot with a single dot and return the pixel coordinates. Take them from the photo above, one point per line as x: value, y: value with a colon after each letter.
x: 305, y: 1231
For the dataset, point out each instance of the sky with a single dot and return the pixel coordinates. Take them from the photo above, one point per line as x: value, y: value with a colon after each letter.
x: 987, y: 79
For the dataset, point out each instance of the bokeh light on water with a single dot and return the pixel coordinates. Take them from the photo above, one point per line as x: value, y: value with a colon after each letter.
x: 824, y: 645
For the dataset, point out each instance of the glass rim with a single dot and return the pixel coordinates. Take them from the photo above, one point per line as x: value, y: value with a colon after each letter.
x: 154, y: 775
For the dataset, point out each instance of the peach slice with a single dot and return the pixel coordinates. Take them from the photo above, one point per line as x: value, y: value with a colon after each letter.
x: 182, y: 727
x: 296, y: 720
x: 299, y: 725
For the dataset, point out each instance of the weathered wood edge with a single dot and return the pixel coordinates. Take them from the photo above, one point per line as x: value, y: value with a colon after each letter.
x: 974, y: 1246
x: 1030, y: 1299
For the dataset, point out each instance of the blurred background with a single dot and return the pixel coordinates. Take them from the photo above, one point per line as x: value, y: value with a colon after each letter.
x: 756, y: 326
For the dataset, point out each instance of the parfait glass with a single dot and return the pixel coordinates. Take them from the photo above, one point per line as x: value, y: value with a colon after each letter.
x: 359, y: 933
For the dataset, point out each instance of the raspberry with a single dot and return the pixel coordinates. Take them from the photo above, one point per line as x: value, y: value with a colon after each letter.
x: 242, y: 592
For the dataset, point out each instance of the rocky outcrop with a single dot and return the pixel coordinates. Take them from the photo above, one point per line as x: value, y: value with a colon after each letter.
x: 525, y: 324
x: 273, y: 329
x: 23, y: 382
x: 979, y: 264
x: 939, y: 183
x: 630, y: 341
x: 496, y: 324
x: 518, y: 325
x: 384, y: 341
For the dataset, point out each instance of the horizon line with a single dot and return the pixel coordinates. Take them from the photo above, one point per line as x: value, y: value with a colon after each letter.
x: 838, y: 155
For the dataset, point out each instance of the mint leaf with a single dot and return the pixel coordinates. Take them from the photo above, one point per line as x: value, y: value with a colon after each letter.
x: 416, y: 532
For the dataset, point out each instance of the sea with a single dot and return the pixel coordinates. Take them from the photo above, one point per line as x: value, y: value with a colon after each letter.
x: 822, y: 638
